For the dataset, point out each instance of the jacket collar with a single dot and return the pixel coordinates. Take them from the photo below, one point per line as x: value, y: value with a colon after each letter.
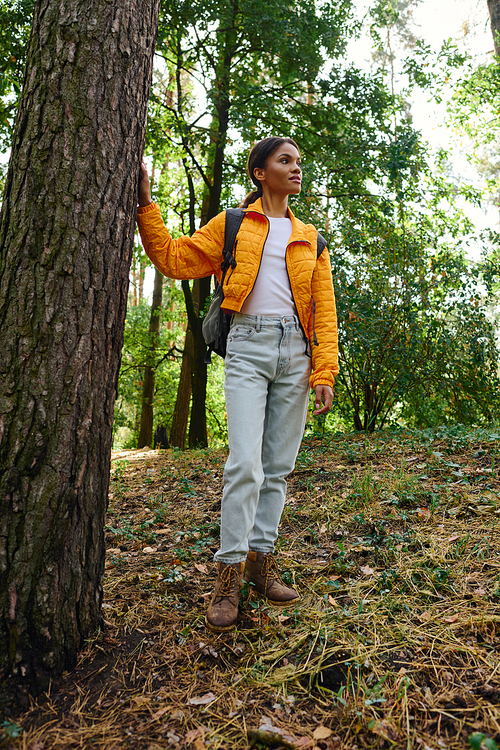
x: 298, y: 227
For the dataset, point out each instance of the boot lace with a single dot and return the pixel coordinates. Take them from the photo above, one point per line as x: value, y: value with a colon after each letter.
x: 270, y: 570
x: 229, y: 582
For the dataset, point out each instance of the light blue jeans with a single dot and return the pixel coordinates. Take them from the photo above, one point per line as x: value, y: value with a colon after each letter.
x: 267, y: 371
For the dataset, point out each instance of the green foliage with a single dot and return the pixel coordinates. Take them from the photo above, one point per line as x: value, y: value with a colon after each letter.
x: 136, y: 354
x: 415, y: 339
x: 10, y: 730
x: 474, y: 110
x: 478, y: 740
x: 15, y: 24
x: 262, y: 67
x: 167, y: 362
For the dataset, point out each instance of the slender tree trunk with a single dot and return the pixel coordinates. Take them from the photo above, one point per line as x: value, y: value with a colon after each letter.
x: 494, y: 10
x: 148, y: 388
x: 198, y: 423
x: 211, y: 206
x: 66, y: 236
x: 142, y: 274
x: 178, y: 430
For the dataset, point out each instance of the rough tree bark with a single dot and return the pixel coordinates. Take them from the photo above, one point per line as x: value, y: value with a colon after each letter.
x: 146, y: 429
x: 494, y: 11
x: 66, y: 235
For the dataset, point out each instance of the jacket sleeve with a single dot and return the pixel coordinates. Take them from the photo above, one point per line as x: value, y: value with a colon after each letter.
x: 323, y: 325
x: 186, y: 257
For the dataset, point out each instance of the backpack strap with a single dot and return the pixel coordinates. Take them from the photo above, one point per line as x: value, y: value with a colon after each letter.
x: 321, y: 244
x: 233, y: 219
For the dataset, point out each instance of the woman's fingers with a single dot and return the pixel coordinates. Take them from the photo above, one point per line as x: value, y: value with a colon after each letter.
x: 144, y: 193
x: 324, y: 393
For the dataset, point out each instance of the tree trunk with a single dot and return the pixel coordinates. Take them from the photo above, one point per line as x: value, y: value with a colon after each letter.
x: 211, y: 206
x: 148, y: 388
x: 198, y: 423
x: 178, y: 430
x: 66, y: 236
x: 494, y: 10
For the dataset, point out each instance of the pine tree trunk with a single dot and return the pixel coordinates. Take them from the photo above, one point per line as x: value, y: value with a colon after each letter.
x: 148, y: 388
x: 66, y: 236
x: 494, y: 10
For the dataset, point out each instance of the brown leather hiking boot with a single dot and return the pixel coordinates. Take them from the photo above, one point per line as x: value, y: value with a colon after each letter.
x: 222, y: 611
x: 262, y: 571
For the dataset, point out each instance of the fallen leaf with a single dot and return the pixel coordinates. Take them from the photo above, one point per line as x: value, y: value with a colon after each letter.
x: 423, y: 512
x: 454, y: 538
x: 281, y: 673
x: 161, y: 712
x: 332, y: 601
x: 321, y: 733
x: 149, y: 550
x: 201, y: 567
x: 367, y: 570
x: 303, y: 742
x: 425, y: 616
x: 385, y: 729
x: 323, y: 529
x: 480, y: 592
x: 195, y: 735
x: 202, y: 700
x: 282, y: 618
x: 490, y: 495
x: 141, y: 700
x: 451, y: 618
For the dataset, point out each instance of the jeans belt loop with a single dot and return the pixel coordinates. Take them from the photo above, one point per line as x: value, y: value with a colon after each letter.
x: 257, y: 327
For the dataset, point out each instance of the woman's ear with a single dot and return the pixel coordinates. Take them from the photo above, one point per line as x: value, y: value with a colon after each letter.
x: 259, y: 174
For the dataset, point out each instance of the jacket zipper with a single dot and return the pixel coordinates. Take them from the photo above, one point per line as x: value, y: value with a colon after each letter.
x: 260, y: 262
x: 315, y: 338
x: 315, y: 341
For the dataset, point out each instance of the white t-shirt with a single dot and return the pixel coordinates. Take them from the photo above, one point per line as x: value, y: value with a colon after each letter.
x: 271, y: 294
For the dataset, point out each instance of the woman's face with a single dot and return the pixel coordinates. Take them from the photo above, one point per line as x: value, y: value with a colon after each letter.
x: 282, y: 174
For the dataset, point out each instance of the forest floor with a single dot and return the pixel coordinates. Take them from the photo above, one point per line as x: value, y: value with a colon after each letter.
x: 393, y: 541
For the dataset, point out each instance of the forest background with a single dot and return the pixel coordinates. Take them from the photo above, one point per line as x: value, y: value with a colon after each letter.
x: 415, y: 279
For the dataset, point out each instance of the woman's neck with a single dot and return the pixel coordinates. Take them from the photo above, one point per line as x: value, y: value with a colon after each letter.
x: 275, y: 206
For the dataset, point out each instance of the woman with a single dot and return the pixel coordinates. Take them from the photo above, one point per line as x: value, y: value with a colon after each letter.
x: 282, y: 342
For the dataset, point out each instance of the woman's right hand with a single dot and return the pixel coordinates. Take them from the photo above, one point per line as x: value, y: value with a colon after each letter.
x: 144, y: 194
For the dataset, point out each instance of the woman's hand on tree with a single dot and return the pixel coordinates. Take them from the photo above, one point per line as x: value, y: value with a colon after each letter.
x: 324, y: 393
x: 144, y: 194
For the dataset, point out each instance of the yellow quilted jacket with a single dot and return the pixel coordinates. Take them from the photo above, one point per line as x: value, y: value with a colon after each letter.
x: 201, y: 255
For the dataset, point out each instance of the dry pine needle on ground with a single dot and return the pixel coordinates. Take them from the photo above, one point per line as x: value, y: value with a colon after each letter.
x: 393, y: 541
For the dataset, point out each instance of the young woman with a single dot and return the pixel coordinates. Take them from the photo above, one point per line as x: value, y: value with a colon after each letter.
x: 282, y: 342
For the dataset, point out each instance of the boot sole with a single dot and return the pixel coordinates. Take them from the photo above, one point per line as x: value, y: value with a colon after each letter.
x: 217, y: 629
x: 274, y: 603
